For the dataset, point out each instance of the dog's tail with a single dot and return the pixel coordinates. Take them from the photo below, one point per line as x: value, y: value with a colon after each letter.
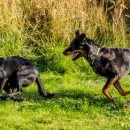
x: 41, y: 89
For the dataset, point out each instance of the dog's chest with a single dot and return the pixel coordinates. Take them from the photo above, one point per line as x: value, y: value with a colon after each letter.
x: 99, y: 67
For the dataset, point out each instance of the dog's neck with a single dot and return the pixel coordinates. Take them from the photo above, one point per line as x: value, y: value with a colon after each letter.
x: 93, y: 53
x: 93, y: 56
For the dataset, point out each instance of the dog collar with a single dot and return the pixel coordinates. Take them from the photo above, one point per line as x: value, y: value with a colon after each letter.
x: 96, y: 55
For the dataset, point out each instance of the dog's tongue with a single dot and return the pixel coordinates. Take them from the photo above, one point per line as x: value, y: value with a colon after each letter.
x: 76, y: 55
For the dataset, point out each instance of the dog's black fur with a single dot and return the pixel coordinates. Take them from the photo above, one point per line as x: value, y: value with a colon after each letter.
x: 17, y: 72
x: 112, y: 63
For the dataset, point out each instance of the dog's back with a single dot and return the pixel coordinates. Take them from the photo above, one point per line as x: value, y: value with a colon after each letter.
x: 12, y: 64
x: 117, y: 57
x: 21, y: 60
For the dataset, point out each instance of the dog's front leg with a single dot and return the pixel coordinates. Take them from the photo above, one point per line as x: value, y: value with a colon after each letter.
x: 109, y: 83
x: 16, y: 96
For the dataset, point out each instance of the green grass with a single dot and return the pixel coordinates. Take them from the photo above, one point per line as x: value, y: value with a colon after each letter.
x: 41, y: 34
x: 77, y: 105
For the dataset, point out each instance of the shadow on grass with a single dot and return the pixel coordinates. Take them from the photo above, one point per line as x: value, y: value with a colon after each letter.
x: 74, y: 100
x: 93, y: 99
x: 69, y: 100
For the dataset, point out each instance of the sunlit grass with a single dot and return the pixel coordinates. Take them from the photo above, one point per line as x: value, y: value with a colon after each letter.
x: 40, y: 30
x: 78, y: 104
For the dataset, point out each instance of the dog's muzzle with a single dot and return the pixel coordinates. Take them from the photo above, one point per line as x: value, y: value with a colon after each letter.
x: 75, y: 55
x: 66, y: 52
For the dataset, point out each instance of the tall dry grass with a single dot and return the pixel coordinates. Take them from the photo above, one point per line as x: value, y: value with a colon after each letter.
x: 28, y: 25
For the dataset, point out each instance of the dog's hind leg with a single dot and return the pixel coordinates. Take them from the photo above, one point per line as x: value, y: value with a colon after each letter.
x: 109, y: 83
x: 41, y: 89
x: 120, y: 90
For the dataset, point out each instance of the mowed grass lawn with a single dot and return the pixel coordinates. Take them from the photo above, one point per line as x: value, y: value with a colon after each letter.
x: 78, y: 105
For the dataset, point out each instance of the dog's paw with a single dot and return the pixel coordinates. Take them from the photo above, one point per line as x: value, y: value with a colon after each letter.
x: 17, y: 99
x: 50, y: 95
x: 3, y: 98
x: 127, y: 104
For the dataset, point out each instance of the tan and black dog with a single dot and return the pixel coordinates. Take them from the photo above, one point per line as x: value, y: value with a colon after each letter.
x: 112, y: 63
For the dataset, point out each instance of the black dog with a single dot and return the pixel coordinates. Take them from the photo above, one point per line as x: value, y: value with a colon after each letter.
x: 17, y: 72
x: 112, y: 63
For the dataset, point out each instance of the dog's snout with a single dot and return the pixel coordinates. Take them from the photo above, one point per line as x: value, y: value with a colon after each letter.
x: 64, y: 52
x: 67, y: 51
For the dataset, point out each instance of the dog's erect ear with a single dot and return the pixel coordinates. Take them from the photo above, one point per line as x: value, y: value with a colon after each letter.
x: 82, y: 36
x: 77, y: 33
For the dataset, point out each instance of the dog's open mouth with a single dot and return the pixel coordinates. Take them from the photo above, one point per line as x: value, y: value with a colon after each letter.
x: 76, y: 55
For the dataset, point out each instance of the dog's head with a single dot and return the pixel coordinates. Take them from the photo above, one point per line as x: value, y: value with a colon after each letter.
x: 78, y: 46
